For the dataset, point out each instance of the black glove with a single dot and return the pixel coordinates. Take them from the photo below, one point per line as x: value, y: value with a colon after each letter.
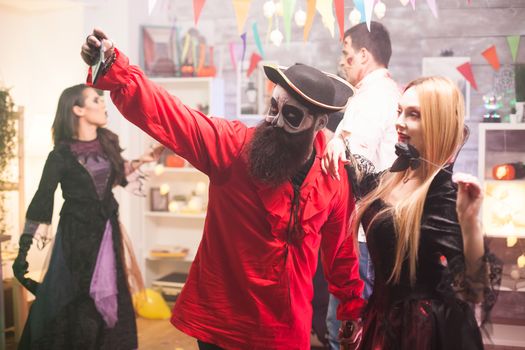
x: 20, y: 264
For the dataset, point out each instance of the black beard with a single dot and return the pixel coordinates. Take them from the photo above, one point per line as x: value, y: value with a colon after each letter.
x: 275, y: 156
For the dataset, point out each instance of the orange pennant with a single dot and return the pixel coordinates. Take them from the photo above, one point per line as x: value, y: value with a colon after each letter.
x: 310, y: 13
x: 466, y: 70
x: 340, y: 14
x: 197, y: 8
x: 254, y: 61
x: 241, y: 8
x: 491, y: 56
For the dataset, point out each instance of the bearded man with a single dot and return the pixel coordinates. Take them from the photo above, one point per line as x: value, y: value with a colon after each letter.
x: 270, y: 206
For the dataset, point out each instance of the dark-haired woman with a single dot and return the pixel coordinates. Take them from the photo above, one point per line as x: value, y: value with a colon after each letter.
x: 84, y: 300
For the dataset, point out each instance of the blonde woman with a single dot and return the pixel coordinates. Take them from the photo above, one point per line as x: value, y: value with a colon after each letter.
x: 423, y: 233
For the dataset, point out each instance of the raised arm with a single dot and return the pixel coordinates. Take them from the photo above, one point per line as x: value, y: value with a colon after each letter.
x: 210, y: 144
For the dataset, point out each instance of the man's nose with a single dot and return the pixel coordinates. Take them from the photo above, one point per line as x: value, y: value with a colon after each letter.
x: 278, y: 121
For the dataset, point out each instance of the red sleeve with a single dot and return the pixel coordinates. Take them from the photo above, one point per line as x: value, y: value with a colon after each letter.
x: 209, y: 144
x: 339, y: 258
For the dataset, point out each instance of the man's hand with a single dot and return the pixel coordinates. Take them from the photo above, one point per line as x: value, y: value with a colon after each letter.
x: 350, y: 334
x: 335, y: 151
x: 91, y: 48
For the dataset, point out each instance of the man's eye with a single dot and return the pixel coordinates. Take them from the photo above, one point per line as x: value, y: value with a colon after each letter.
x: 273, y: 111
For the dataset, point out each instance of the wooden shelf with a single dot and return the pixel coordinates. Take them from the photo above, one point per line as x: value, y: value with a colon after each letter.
x: 163, y: 214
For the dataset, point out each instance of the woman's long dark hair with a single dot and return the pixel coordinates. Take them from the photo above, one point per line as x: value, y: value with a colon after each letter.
x: 65, y: 128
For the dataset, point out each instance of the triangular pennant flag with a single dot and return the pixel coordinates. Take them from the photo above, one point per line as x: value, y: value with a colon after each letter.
x: 514, y: 44
x: 232, y: 55
x: 254, y: 61
x: 360, y: 6
x: 369, y: 9
x: 151, y: 6
x: 491, y: 56
x: 241, y: 8
x: 324, y: 7
x: 288, y: 7
x: 243, y: 37
x: 466, y: 70
x: 197, y: 8
x: 340, y: 14
x: 413, y: 2
x: 433, y: 7
x: 257, y: 38
x: 310, y: 13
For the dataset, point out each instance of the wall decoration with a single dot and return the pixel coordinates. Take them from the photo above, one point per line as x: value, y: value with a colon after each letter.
x: 253, y: 91
x: 446, y: 66
x: 158, y: 201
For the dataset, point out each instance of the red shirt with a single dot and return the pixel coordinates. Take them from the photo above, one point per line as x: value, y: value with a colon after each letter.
x: 247, y: 288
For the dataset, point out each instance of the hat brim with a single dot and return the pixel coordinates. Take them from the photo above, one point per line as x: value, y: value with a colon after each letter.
x: 343, y: 89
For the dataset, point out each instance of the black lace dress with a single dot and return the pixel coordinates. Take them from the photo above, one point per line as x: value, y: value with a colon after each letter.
x: 435, y: 312
x: 84, y: 300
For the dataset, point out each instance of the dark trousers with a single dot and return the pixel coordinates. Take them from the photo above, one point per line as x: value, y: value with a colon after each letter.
x: 207, y: 346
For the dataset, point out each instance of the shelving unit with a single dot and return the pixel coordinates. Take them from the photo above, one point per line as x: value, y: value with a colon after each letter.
x: 183, y: 229
x: 503, y: 216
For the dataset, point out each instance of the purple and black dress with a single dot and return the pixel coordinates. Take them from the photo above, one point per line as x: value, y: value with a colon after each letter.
x: 84, y: 300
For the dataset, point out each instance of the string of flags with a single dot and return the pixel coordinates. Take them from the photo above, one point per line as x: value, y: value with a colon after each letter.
x: 491, y: 56
x: 362, y: 12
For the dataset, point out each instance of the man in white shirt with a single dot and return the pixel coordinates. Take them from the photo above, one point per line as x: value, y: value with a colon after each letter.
x: 368, y: 126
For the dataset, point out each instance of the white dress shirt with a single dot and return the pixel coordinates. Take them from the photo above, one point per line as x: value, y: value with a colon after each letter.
x: 370, y: 119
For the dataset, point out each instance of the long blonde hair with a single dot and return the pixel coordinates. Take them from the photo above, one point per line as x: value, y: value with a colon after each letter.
x: 442, y: 113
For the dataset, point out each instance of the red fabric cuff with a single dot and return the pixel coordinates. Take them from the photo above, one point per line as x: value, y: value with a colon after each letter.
x: 351, y: 309
x: 116, y: 77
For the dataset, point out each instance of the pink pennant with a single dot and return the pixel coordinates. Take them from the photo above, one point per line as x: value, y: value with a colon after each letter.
x: 197, y: 8
x: 413, y: 2
x: 433, y: 7
x: 466, y: 70
x: 254, y: 61
x: 491, y: 56
x: 232, y: 56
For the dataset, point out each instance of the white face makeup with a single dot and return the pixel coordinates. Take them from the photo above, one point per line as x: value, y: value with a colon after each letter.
x: 287, y: 113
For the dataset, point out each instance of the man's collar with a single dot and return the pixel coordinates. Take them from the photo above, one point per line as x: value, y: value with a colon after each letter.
x: 376, y: 74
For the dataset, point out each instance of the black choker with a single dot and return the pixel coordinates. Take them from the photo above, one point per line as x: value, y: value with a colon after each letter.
x: 407, y: 156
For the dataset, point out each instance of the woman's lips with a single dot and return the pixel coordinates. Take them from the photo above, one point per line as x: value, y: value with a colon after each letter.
x: 402, y: 138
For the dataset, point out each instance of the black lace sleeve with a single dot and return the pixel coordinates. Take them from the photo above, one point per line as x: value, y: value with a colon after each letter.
x: 361, y: 174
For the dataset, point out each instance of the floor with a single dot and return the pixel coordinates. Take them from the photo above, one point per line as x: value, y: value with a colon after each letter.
x: 161, y: 335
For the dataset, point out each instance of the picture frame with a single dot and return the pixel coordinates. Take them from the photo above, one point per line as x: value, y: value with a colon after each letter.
x: 447, y: 67
x: 158, y: 201
x: 253, y: 93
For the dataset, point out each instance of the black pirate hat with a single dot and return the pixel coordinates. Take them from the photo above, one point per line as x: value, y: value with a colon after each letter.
x: 318, y: 90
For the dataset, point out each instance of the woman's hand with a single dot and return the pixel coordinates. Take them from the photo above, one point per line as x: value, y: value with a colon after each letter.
x: 152, y: 155
x: 335, y: 151
x: 470, y: 197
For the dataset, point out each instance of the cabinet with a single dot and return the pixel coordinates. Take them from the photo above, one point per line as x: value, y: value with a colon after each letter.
x: 503, y: 220
x: 176, y: 220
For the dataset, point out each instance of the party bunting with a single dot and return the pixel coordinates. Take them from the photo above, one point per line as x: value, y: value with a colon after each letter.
x: 310, y: 13
x: 340, y: 14
x: 151, y: 6
x: 433, y: 7
x: 197, y: 8
x: 491, y: 56
x: 257, y: 38
x: 324, y: 7
x: 254, y: 61
x: 360, y: 6
x: 243, y: 37
x: 514, y: 44
x: 232, y: 55
x: 369, y: 9
x: 413, y: 2
x: 288, y: 10
x: 466, y: 70
x: 241, y: 8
